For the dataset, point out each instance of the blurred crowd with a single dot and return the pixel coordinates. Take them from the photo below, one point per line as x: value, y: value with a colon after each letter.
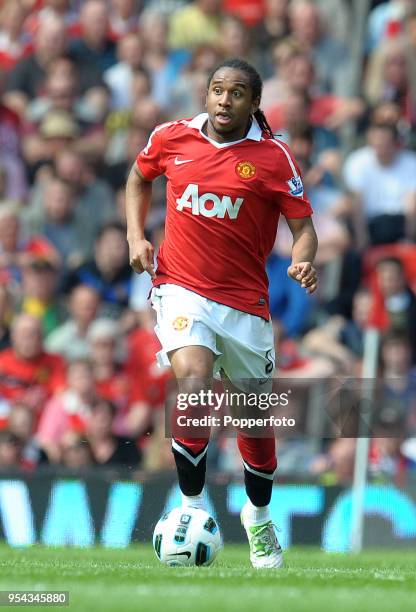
x: 82, y: 85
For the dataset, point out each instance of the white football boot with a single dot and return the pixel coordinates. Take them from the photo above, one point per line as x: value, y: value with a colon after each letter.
x: 265, y: 550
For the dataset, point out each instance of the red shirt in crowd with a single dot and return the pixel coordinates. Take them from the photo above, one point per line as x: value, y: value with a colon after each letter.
x: 31, y: 380
x: 149, y: 381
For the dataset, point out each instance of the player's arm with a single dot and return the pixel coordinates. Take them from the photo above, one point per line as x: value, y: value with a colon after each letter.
x: 305, y: 245
x: 138, y: 198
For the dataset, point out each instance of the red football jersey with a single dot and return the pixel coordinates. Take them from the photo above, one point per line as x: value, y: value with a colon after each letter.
x: 223, y: 206
x: 20, y: 378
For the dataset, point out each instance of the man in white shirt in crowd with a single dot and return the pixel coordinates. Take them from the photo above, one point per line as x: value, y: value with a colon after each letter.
x: 382, y: 179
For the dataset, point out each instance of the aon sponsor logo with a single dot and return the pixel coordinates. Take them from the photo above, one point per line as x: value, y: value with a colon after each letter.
x: 208, y: 204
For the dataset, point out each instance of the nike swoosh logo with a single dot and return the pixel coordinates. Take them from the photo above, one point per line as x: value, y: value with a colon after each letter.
x: 186, y: 552
x: 178, y: 162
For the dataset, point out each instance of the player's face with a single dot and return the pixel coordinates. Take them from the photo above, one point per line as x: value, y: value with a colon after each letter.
x: 229, y: 104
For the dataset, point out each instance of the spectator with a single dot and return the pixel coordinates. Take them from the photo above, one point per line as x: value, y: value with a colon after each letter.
x: 14, y: 43
x: 327, y: 110
x: 119, y: 77
x: 93, y: 204
x: 15, y: 251
x: 397, y: 300
x: 94, y: 197
x: 341, y: 339
x: 124, y: 18
x: 75, y: 452
x: 21, y: 423
x: 234, y: 38
x: 396, y: 405
x: 61, y: 92
x: 26, y: 79
x: 68, y: 410
x: 109, y: 272
x: 108, y: 449
x: 135, y: 139
x: 386, y: 113
x: 320, y: 172
x: 143, y: 346
x: 40, y: 278
x: 146, y: 113
x: 10, y: 451
x: 71, y: 338
x: 384, y: 212
x: 57, y: 131
x: 337, y: 16
x: 273, y: 28
x: 195, y: 24
x: 308, y: 31
x: 61, y: 223
x: 189, y: 91
x: 163, y: 64
x: 53, y: 8
x: 120, y: 122
x: 189, y: 94
x: 94, y: 46
x: 27, y: 372
x: 275, y: 87
x: 391, y: 77
x: 130, y: 393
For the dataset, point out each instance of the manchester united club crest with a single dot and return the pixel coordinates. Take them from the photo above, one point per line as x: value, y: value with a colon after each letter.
x: 180, y: 323
x: 245, y: 170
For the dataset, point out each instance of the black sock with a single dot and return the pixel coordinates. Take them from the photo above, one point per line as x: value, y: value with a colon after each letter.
x: 258, y: 488
x: 191, y: 469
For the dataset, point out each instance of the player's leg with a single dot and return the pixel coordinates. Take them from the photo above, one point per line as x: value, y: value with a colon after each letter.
x: 192, y: 367
x: 248, y: 362
x: 189, y: 346
x: 259, y: 459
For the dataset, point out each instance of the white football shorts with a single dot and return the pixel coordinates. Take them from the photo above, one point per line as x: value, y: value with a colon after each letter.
x: 243, y: 343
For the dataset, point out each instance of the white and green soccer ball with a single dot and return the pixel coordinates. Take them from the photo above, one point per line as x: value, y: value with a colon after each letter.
x: 186, y: 537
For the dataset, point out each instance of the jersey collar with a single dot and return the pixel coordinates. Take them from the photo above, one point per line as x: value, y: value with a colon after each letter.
x: 198, y: 123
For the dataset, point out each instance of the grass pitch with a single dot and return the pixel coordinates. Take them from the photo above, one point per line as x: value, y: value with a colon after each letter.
x: 132, y: 579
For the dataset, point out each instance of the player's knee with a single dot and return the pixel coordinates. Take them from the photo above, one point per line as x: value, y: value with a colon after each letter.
x: 193, y: 364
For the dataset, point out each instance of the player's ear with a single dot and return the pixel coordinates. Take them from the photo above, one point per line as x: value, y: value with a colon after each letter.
x: 255, y: 105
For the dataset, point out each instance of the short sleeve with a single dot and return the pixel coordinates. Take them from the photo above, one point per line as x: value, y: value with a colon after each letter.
x: 150, y: 160
x: 287, y: 187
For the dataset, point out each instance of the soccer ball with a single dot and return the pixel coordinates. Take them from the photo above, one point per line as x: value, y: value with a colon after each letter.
x: 187, y: 536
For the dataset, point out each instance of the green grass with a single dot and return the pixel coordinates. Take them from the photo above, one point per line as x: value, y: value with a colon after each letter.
x: 132, y: 579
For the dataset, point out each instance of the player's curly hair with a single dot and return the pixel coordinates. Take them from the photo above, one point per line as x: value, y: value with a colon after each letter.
x: 256, y: 85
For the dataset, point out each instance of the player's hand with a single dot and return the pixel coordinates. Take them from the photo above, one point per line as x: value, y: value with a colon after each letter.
x: 142, y: 257
x: 305, y: 274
